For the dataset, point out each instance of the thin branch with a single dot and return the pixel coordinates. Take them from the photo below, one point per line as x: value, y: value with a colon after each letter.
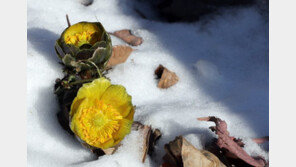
x: 68, y: 21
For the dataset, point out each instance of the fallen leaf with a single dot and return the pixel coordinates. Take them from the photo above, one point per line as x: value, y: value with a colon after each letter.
x: 137, y: 125
x: 261, y: 140
x: 100, y: 152
x: 232, y: 144
x: 150, y: 137
x: 119, y: 55
x: 167, y: 77
x: 146, y: 134
x: 181, y: 153
x: 193, y: 157
x: 128, y: 37
x: 111, y: 150
x: 154, y: 137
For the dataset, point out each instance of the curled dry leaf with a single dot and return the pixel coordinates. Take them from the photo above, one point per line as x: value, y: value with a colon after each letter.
x: 153, y: 138
x: 150, y: 137
x: 128, y: 37
x: 100, y: 152
x: 166, y: 77
x: 119, y: 55
x: 137, y: 125
x: 181, y: 153
x: 146, y: 134
x: 233, y: 145
x: 111, y: 150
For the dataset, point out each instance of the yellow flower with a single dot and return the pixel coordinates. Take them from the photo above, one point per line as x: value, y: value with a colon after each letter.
x: 83, y: 42
x: 82, y: 33
x: 101, y: 114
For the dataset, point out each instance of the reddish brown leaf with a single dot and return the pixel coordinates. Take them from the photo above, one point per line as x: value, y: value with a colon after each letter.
x: 229, y: 143
x: 261, y: 140
x: 119, y: 55
x: 128, y: 37
x: 167, y: 77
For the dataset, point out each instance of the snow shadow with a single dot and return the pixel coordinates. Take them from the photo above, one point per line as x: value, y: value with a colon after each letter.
x: 48, y: 119
x: 43, y: 41
x: 227, y: 55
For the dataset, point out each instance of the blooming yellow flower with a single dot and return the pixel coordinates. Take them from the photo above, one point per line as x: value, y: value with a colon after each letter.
x: 101, y: 114
x: 82, y: 33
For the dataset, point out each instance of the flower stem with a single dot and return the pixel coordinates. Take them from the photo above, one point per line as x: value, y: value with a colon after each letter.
x: 98, y: 70
x: 80, y: 81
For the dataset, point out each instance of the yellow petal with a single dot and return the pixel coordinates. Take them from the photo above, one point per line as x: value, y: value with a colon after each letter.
x: 76, y: 105
x: 124, y: 129
x: 107, y: 144
x: 117, y: 97
x: 82, y: 33
x: 80, y: 28
x: 76, y: 128
x: 93, y: 90
x: 130, y: 116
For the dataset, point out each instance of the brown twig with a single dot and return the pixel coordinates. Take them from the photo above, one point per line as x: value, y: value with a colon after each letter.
x: 68, y: 21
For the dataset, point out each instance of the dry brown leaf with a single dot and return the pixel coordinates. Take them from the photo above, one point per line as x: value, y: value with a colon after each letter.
x: 150, y: 137
x: 233, y: 145
x: 111, y: 150
x: 128, y: 37
x: 137, y: 125
x: 120, y: 53
x: 181, y: 153
x: 100, y: 152
x: 146, y: 134
x: 261, y: 140
x: 193, y: 157
x: 167, y: 77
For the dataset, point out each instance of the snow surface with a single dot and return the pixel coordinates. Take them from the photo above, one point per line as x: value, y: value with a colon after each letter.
x: 222, y: 63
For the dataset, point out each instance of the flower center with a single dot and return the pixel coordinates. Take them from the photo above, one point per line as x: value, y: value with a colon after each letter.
x: 80, y: 38
x: 98, y: 123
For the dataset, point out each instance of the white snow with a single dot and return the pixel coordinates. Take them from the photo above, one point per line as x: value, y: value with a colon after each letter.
x: 222, y: 63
